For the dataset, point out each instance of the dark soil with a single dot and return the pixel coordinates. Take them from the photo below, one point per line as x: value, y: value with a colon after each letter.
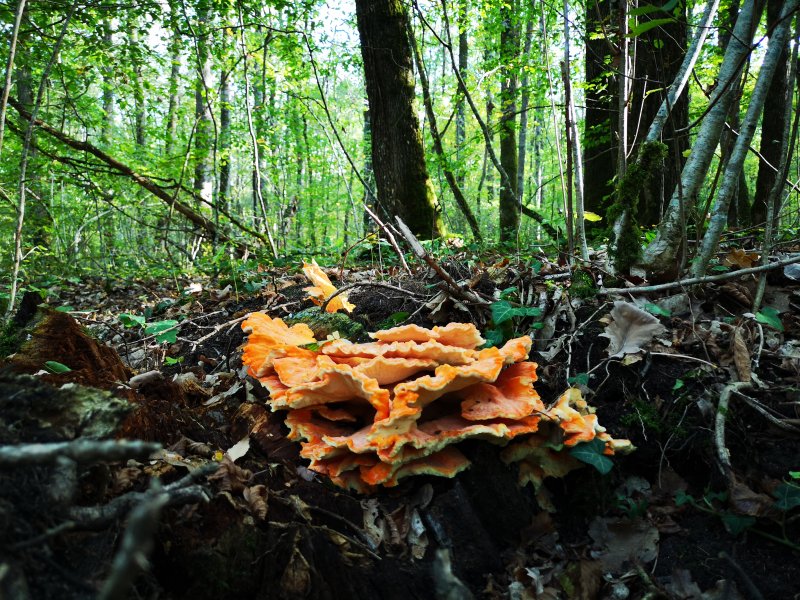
x: 314, y: 542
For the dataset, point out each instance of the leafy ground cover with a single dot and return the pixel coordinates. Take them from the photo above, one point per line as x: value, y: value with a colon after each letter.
x: 706, y: 507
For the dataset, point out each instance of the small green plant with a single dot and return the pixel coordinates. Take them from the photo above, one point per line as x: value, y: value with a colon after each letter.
x: 504, y: 313
x: 163, y: 331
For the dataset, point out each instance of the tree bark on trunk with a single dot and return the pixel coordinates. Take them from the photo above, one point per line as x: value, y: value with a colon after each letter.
x: 225, y: 99
x: 203, y: 131
x: 659, y: 256
x: 509, y: 53
x: 401, y: 176
x: 174, y: 75
x: 12, y: 49
x: 523, y: 109
x: 600, y: 122
x: 773, y: 129
x: 461, y: 108
x: 776, y: 48
x: 458, y: 194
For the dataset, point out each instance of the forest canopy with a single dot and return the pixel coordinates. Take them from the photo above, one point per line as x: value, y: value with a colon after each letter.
x: 160, y: 136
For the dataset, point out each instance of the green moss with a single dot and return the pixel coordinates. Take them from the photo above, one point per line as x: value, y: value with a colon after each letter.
x: 324, y: 324
x: 9, y: 340
x: 627, y: 245
x: 582, y: 285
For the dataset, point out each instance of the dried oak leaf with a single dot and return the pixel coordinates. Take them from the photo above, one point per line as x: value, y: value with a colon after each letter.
x: 230, y: 477
x: 256, y: 497
x: 631, y: 329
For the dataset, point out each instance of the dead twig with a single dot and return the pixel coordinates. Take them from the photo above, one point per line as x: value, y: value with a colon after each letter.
x: 723, y: 454
x: 698, y: 280
x: 81, y: 450
x: 452, y: 285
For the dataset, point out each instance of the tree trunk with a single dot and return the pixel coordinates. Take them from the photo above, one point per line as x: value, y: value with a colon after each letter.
x: 12, y: 49
x: 225, y: 99
x: 523, y: 109
x: 401, y: 177
x: 174, y: 75
x: 659, y: 256
x: 773, y: 129
x: 108, y: 86
x: 369, y: 174
x: 458, y: 194
x: 203, y: 130
x: 461, y: 109
x: 509, y: 53
x: 135, y: 58
x: 776, y: 48
x: 600, y: 122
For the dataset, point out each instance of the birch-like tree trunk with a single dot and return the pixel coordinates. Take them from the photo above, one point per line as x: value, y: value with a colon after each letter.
x: 777, y: 45
x: 661, y: 254
x: 12, y: 49
x: 175, y: 49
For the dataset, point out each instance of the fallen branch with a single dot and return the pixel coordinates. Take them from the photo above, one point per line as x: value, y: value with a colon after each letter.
x: 180, y: 492
x: 82, y: 451
x: 451, y: 283
x: 137, y: 544
x: 700, y: 280
x: 723, y: 454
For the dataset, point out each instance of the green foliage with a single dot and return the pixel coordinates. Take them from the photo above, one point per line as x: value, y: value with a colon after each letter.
x: 56, y: 367
x: 592, y: 454
x: 770, y: 316
x: 627, y: 245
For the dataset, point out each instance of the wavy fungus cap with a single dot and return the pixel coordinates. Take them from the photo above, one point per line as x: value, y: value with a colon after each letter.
x: 370, y: 414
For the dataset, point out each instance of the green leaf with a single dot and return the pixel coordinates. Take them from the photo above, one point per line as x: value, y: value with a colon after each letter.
x: 56, y: 367
x: 398, y: 317
x: 736, y: 524
x: 168, y: 360
x: 536, y: 266
x: 655, y: 309
x: 769, y: 316
x: 494, y: 337
x: 592, y: 454
x: 508, y: 293
x: 788, y: 496
x: 681, y: 498
x: 163, y: 330
x: 129, y: 320
x: 579, y: 379
x: 679, y: 383
x: 648, y: 25
x: 65, y: 308
x: 502, y: 311
x: 794, y: 474
x: 591, y: 217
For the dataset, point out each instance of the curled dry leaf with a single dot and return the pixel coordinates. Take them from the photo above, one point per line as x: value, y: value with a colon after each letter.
x: 256, y: 497
x: 230, y: 477
x: 740, y: 258
x: 631, y: 329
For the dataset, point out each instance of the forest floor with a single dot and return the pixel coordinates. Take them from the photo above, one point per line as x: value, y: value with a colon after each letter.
x: 671, y: 520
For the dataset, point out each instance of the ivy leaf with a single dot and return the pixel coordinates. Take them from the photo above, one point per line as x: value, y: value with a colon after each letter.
x: 579, y: 379
x: 788, y: 496
x: 56, y: 367
x: 657, y: 310
x: 502, y: 311
x: 592, y: 454
x: 769, y: 316
x: 681, y: 498
x: 129, y: 320
x: 736, y: 524
x: 163, y: 331
x: 494, y: 337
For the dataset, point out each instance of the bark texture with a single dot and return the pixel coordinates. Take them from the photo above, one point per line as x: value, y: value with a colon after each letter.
x: 401, y: 176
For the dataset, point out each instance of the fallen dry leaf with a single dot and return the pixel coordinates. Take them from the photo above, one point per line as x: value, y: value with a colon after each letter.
x: 741, y: 355
x: 740, y: 258
x: 623, y: 540
x: 256, y: 497
x: 631, y: 329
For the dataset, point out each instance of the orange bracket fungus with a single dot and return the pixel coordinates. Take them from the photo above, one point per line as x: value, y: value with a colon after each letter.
x: 324, y: 289
x: 369, y: 414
